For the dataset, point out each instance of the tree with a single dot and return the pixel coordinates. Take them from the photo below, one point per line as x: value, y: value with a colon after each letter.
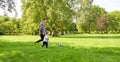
x: 114, y: 22
x: 8, y: 5
x: 9, y: 25
x: 82, y: 12
x: 102, y: 24
x: 58, y: 13
x: 87, y: 21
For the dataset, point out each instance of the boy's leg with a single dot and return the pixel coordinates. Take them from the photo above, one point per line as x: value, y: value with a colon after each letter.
x: 46, y: 44
x: 43, y: 44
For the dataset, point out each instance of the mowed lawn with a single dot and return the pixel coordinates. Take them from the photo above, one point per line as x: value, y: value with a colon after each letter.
x: 76, y: 48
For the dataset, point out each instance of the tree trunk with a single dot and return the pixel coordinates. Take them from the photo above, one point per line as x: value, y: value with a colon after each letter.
x: 55, y: 33
x: 50, y: 32
x: 89, y: 31
x: 62, y: 32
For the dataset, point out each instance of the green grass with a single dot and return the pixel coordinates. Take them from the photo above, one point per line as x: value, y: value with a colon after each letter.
x: 77, y: 48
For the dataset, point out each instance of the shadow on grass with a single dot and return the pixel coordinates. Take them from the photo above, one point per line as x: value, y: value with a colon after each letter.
x: 27, y: 52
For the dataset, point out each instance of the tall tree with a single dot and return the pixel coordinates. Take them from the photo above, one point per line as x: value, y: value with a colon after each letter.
x: 82, y: 12
x: 59, y: 13
x: 101, y: 24
x: 87, y: 21
x: 114, y: 22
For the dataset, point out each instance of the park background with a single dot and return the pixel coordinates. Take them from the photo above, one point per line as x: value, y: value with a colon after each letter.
x: 24, y: 17
x: 88, y: 29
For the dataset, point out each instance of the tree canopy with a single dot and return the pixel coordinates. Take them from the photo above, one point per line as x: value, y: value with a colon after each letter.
x: 59, y: 13
x: 63, y: 16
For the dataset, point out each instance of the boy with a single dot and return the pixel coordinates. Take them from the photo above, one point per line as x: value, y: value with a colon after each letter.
x: 45, y: 40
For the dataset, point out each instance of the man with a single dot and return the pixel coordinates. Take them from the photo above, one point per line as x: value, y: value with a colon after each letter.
x: 41, y: 31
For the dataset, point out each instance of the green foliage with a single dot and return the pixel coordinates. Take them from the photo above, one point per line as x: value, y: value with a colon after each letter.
x: 97, y: 20
x: 114, y: 22
x: 102, y: 24
x: 59, y: 13
x: 9, y: 25
x: 87, y: 22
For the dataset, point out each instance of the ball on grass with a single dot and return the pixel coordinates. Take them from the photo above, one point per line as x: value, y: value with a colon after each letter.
x: 60, y: 44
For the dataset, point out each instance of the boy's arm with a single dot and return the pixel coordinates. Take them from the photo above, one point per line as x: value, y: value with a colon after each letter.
x: 47, y: 39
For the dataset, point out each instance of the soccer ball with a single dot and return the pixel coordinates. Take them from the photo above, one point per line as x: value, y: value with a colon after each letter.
x: 60, y: 44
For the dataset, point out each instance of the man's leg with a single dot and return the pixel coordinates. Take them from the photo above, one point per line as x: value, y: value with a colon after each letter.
x: 42, y: 37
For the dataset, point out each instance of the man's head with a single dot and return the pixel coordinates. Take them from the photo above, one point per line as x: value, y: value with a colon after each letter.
x: 44, y: 20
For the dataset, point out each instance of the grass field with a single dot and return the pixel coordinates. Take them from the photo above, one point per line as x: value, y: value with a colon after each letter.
x: 77, y: 48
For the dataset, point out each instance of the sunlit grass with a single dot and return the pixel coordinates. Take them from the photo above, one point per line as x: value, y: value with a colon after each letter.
x: 76, y: 48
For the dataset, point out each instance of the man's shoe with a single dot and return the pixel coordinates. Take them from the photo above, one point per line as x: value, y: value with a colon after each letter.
x: 34, y: 43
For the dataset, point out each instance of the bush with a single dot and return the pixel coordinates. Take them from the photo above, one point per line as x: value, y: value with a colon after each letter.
x: 2, y: 33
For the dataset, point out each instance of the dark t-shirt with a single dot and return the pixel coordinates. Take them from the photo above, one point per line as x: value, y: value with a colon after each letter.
x: 42, y: 28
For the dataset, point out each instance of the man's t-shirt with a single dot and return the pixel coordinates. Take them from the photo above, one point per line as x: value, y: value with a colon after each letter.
x: 42, y: 28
